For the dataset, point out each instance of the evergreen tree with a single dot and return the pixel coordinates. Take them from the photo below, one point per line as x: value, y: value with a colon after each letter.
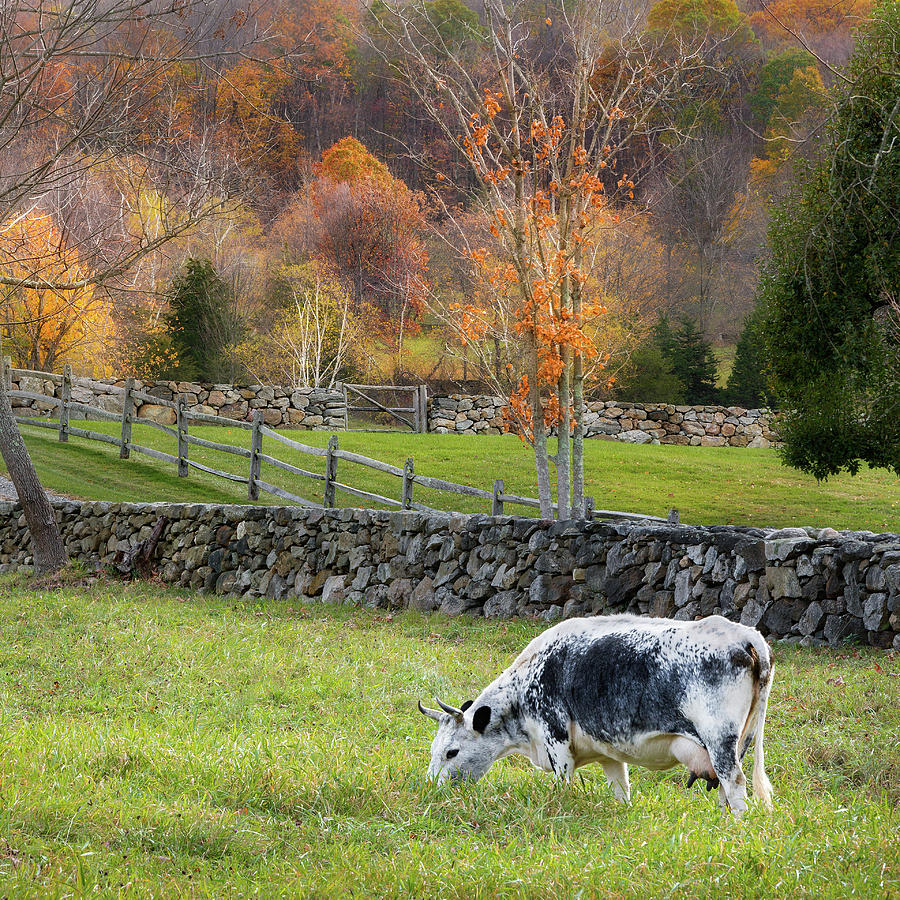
x: 832, y: 325
x: 747, y: 384
x: 648, y: 377
x: 202, y: 323
x: 691, y: 359
x: 675, y: 365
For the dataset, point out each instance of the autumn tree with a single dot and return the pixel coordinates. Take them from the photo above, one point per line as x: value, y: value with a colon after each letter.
x: 549, y: 138
x: 78, y: 85
x: 312, y: 335
x: 823, y: 27
x: 46, y: 326
x: 366, y: 226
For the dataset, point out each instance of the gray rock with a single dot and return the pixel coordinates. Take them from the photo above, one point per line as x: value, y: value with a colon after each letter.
x: 454, y: 605
x: 875, y: 578
x: 892, y: 579
x: 779, y: 618
x: 753, y: 611
x: 688, y: 612
x: 842, y: 628
x: 782, y: 581
x: 574, y: 609
x: 635, y: 437
x: 753, y: 554
x: 781, y: 549
x: 333, y: 589
x: 539, y: 590
x: 502, y: 605
x: 811, y: 619
x: 423, y: 596
x: 875, y: 612
x: 682, y: 588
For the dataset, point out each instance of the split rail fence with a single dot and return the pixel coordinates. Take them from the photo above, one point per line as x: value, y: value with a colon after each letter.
x: 65, y: 406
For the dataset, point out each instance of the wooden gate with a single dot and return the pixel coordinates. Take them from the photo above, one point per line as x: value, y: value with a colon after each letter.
x: 414, y: 416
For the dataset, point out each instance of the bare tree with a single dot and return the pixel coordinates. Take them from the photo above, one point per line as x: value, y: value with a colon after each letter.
x: 89, y: 90
x: 698, y: 201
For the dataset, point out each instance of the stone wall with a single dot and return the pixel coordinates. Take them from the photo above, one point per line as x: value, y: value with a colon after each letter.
x: 805, y: 585
x: 312, y: 408
x: 638, y: 423
x: 309, y: 408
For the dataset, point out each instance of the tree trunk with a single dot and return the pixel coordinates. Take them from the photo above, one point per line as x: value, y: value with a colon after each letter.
x: 541, y: 460
x: 578, y: 404
x: 578, y: 438
x: 47, y: 547
x: 563, y: 470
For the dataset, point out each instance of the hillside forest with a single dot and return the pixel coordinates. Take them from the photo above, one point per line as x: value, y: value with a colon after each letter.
x: 225, y: 191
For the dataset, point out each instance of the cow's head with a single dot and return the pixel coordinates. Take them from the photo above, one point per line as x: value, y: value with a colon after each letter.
x: 465, y: 745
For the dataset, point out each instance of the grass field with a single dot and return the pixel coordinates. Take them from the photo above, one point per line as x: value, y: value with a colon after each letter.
x: 708, y: 485
x: 160, y: 745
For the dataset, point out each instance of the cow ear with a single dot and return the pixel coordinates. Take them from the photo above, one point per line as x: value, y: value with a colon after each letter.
x: 481, y: 718
x: 466, y: 705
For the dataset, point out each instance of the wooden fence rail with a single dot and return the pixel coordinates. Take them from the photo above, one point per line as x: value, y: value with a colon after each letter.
x: 180, y: 432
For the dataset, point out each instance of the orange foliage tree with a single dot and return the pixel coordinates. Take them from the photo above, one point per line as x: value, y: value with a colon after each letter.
x: 46, y: 326
x: 249, y: 101
x: 548, y: 140
x: 366, y: 226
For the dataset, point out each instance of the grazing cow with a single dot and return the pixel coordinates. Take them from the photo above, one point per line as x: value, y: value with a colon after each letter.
x: 619, y: 690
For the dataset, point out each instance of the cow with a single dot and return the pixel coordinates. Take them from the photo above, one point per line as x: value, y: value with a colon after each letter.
x: 621, y: 690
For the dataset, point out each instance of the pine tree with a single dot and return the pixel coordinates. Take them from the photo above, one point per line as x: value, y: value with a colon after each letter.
x: 747, y: 384
x: 201, y: 322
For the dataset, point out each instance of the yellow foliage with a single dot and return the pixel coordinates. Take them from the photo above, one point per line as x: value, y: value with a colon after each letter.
x: 44, y: 328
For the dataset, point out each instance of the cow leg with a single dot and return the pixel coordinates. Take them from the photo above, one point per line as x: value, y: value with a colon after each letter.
x: 617, y: 775
x: 732, y: 783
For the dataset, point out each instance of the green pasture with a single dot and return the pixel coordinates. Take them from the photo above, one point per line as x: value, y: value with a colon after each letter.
x: 708, y: 485
x: 161, y: 745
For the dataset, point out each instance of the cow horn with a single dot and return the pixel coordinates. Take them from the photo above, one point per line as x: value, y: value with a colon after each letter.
x: 431, y: 713
x: 451, y: 710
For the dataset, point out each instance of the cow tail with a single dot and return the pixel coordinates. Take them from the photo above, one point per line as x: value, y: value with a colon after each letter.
x: 762, y: 787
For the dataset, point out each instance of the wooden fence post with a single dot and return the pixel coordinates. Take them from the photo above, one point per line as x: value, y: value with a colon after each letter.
x: 408, y: 481
x: 181, y: 426
x: 127, y: 408
x: 65, y: 395
x: 330, y: 472
x: 346, y: 405
x: 673, y: 517
x: 497, y: 502
x: 255, y: 462
x: 417, y: 411
x: 589, y: 508
x: 7, y: 372
x: 423, y: 405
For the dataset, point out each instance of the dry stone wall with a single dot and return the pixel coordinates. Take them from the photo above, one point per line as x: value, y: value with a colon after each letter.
x: 804, y: 585
x: 637, y: 423
x: 314, y: 408
x: 308, y: 408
